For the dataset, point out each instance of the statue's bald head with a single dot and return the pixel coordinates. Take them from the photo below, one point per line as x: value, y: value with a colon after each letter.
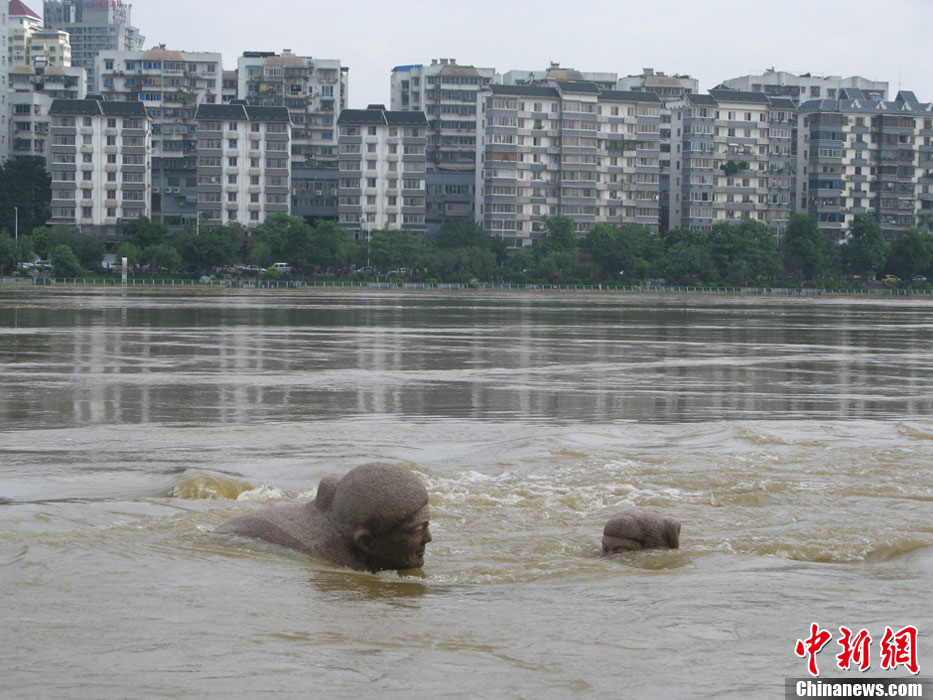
x: 377, y: 497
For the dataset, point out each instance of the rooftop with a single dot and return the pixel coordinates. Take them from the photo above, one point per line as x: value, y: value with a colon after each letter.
x: 20, y: 9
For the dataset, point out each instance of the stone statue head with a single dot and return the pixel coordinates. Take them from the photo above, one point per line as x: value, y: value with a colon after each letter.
x: 382, y: 511
x: 633, y: 530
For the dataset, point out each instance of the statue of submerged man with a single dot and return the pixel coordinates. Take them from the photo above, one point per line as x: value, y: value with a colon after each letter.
x: 375, y: 518
x: 633, y: 530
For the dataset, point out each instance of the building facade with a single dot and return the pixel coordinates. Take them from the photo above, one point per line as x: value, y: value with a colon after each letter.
x: 732, y: 158
x: 669, y: 88
x: 446, y: 92
x: 806, y: 86
x: 100, y: 164
x: 171, y: 84
x: 4, y: 85
x: 29, y: 41
x: 856, y: 155
x: 314, y: 90
x: 382, y: 170
x: 569, y: 148
x: 33, y: 88
x: 93, y: 26
x: 243, y: 173
x: 554, y: 72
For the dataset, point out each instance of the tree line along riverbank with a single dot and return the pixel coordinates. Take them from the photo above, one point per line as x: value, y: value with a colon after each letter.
x: 742, y: 255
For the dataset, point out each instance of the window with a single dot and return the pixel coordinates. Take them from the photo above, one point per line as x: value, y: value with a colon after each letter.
x: 231, y: 143
x: 231, y: 196
x: 231, y: 179
x: 232, y: 161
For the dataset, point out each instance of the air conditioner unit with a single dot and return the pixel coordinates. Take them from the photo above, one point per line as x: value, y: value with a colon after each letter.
x: 177, y: 190
x: 155, y: 190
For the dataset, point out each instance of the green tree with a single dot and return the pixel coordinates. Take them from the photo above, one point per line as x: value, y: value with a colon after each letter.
x: 40, y: 240
x: 808, y: 254
x: 561, y: 235
x: 25, y: 194
x: 130, y: 252
x: 89, y: 248
x: 144, y: 233
x: 164, y: 257
x: 65, y: 262
x: 743, y: 253
x: 911, y: 254
x: 260, y: 254
x: 329, y: 246
x: 865, y: 251
x: 8, y: 253
x: 462, y: 234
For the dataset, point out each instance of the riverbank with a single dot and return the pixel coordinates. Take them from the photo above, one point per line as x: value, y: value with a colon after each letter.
x: 104, y: 282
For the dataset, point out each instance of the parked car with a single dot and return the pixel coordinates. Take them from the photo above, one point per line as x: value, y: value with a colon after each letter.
x: 43, y: 264
x: 890, y: 279
x: 281, y: 268
x: 919, y: 278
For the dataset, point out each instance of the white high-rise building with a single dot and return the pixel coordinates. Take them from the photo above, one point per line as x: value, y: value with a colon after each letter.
x: 243, y: 168
x: 446, y: 92
x: 382, y: 170
x: 856, y: 155
x: 29, y: 41
x: 806, y: 86
x: 605, y: 81
x: 32, y: 90
x: 732, y: 158
x: 314, y: 90
x: 567, y: 148
x: 93, y: 26
x: 100, y: 163
x: 4, y: 84
x: 668, y: 87
x: 171, y: 84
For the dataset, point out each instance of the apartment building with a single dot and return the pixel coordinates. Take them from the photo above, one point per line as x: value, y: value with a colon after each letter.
x: 669, y: 88
x: 314, y: 90
x: 29, y: 41
x: 806, y: 86
x: 93, y: 26
x: 382, y: 170
x: 554, y: 72
x: 100, y: 164
x: 32, y: 90
x: 4, y: 69
x: 446, y: 92
x: 732, y: 157
x: 568, y: 148
x: 229, y: 86
x: 856, y: 155
x: 243, y: 170
x: 171, y: 84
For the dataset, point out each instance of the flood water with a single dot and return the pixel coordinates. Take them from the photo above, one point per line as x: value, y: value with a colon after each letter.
x: 791, y: 437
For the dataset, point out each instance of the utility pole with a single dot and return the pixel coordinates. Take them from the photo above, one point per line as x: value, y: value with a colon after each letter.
x: 16, y: 232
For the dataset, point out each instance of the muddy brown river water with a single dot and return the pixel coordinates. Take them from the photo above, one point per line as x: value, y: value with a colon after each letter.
x: 793, y: 438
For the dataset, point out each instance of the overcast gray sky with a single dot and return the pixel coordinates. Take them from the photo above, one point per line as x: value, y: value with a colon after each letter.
x: 710, y: 39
